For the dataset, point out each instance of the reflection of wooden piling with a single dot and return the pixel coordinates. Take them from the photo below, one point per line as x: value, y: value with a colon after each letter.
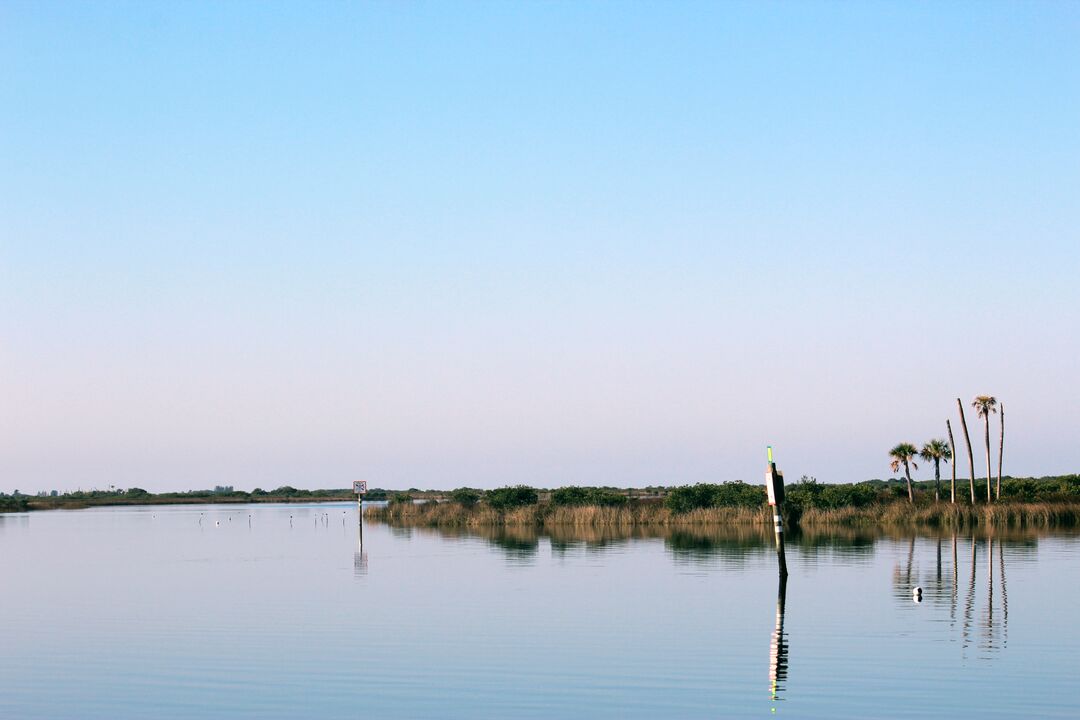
x: 778, y: 648
x: 774, y: 486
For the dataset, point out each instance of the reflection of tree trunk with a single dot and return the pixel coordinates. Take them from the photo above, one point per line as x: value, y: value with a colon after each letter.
x: 969, y: 605
x: 990, y: 593
x: 939, y: 562
x: 952, y: 607
x: 1004, y: 595
x: 952, y: 449
x: 1001, y: 452
x: 910, y: 559
x: 971, y: 456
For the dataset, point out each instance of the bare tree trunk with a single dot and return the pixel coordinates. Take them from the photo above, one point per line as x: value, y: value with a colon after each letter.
x: 937, y: 479
x: 1001, y: 449
x: 971, y: 457
x: 910, y: 494
x: 989, y: 497
x: 952, y: 449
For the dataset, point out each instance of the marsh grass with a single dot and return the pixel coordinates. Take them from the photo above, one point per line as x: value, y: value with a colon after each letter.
x: 544, y: 515
x: 947, y: 515
x: 650, y: 513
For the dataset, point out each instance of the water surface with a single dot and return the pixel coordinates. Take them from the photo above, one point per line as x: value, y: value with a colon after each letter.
x: 275, y: 611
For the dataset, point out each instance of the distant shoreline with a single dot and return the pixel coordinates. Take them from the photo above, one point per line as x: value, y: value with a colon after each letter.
x: 1046, y: 500
x: 79, y: 501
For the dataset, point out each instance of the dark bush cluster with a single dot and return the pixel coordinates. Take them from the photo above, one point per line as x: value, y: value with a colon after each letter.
x: 13, y: 502
x: 587, y: 496
x: 708, y: 495
x: 1065, y: 487
x: 506, y: 498
x: 809, y: 493
x: 466, y: 496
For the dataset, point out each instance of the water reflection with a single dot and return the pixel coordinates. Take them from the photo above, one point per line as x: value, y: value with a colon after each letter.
x: 778, y: 646
x: 360, y: 558
x: 708, y: 545
x: 984, y: 615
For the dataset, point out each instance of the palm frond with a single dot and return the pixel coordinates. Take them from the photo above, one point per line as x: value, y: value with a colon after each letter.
x: 984, y: 405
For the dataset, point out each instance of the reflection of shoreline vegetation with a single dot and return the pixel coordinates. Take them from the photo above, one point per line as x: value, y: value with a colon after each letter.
x: 701, y: 543
x: 1026, y: 503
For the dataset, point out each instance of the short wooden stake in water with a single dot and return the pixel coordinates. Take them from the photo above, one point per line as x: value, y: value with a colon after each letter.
x: 774, y: 485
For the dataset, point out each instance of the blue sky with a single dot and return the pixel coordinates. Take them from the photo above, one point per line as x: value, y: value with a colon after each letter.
x: 436, y: 244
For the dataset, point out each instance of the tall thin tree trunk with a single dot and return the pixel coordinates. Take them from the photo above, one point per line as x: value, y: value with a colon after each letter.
x: 937, y: 479
x: 989, y: 497
x: 1001, y: 449
x: 952, y: 449
x: 910, y: 494
x: 971, y: 457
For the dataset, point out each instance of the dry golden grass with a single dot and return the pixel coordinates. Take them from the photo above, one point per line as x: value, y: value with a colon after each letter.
x: 543, y: 515
x: 947, y: 515
x: 899, y: 514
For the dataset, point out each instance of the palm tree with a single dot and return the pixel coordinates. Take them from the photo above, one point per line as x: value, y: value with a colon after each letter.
x: 1001, y: 451
x: 952, y: 451
x: 935, y: 451
x: 904, y: 454
x: 971, y: 458
x: 985, y: 407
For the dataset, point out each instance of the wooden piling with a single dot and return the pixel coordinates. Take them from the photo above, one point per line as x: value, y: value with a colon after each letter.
x: 774, y: 485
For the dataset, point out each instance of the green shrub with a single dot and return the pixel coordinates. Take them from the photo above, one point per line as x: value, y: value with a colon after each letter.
x: 574, y: 495
x: 707, y: 495
x: 401, y: 497
x: 13, y: 503
x: 466, y: 496
x: 809, y: 493
x: 505, y: 498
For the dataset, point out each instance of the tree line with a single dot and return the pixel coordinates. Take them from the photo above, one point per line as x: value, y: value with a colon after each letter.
x: 937, y: 451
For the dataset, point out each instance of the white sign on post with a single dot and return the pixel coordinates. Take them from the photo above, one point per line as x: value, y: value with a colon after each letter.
x: 359, y: 487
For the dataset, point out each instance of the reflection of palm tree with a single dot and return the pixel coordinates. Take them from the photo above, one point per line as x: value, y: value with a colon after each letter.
x: 990, y: 593
x: 903, y: 454
x: 985, y: 407
x: 1004, y: 596
x: 952, y: 606
x: 910, y: 559
x: 938, y: 578
x: 935, y: 451
x: 969, y: 605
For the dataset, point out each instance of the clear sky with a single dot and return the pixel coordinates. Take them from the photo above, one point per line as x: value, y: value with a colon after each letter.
x: 438, y: 244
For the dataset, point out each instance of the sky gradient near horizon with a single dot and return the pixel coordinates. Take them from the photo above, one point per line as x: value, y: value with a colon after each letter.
x: 444, y: 244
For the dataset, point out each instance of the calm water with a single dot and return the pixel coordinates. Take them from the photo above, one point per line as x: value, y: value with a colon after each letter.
x: 274, y: 611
